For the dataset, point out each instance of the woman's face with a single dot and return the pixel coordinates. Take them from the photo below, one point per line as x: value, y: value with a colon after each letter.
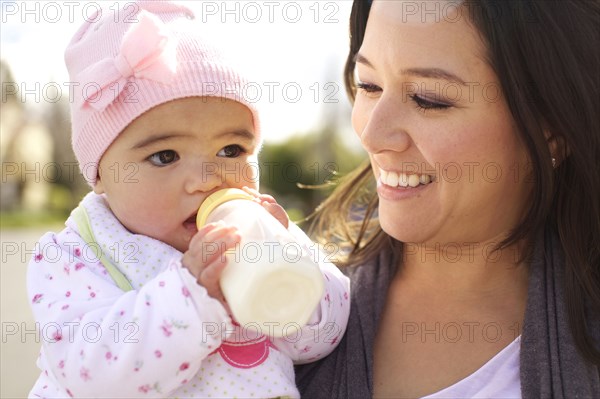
x: 449, y: 164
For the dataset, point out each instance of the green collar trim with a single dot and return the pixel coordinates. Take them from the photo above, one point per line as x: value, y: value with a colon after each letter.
x: 82, y: 220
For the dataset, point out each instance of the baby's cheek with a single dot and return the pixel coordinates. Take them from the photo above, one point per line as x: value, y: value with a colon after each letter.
x: 250, y: 175
x: 143, y: 218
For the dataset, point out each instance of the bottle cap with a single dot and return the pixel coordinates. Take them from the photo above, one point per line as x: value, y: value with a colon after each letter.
x: 217, y: 198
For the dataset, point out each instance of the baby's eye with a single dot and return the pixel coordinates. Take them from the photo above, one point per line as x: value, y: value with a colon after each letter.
x: 163, y: 158
x: 231, y: 151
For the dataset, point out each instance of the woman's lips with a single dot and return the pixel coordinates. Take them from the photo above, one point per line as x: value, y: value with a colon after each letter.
x: 397, y: 193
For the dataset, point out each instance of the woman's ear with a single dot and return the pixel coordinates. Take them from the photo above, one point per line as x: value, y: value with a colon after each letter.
x: 558, y: 148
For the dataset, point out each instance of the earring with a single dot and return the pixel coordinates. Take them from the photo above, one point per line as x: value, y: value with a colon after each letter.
x: 553, y: 163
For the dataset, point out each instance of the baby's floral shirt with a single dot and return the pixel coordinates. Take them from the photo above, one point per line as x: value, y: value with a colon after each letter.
x: 164, y: 338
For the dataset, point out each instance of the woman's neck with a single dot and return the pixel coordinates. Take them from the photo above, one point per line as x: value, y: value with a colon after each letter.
x: 467, y: 272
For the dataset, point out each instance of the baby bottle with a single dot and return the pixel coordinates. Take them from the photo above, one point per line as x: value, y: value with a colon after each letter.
x: 271, y: 284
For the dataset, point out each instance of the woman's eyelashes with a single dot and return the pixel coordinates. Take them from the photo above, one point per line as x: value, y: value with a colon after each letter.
x: 422, y: 103
x: 163, y: 158
x: 368, y: 88
x: 426, y: 104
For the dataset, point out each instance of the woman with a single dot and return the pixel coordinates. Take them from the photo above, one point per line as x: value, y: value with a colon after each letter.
x: 473, y: 234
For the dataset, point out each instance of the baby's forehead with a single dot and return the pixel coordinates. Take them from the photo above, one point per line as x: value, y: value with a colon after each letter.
x: 191, y: 122
x: 203, y: 113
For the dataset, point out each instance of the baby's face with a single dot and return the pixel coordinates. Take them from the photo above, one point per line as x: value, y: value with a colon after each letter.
x: 166, y: 162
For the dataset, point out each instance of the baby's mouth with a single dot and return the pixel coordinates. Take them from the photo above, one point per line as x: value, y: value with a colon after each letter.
x: 190, y: 223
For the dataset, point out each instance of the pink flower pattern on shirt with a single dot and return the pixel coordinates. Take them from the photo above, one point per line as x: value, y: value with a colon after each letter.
x: 168, y: 322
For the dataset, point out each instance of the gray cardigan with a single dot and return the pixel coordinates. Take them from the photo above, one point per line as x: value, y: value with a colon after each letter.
x: 551, y: 366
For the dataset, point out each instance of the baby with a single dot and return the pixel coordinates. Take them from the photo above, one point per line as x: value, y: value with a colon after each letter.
x: 126, y: 297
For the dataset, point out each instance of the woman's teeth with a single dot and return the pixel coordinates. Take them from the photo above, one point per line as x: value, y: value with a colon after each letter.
x: 395, y: 179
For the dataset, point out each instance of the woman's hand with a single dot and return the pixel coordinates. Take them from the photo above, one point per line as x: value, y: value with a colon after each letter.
x: 269, y: 203
x: 205, y: 257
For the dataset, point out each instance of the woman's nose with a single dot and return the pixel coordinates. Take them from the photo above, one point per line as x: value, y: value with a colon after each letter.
x: 383, y: 126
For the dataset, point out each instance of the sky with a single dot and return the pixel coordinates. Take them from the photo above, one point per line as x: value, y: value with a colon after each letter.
x: 293, y: 50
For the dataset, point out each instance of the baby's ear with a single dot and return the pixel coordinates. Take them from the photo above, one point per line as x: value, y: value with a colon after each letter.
x: 99, y: 187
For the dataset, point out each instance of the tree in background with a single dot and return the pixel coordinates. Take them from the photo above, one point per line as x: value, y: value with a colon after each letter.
x: 40, y: 178
x: 302, y: 171
x: 26, y: 149
x: 69, y: 186
x: 11, y: 121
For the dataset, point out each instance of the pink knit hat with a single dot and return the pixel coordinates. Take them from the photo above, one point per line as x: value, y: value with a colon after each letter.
x: 124, y: 62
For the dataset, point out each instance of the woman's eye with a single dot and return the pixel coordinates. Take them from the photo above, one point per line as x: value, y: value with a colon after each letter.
x: 424, y: 104
x: 231, y: 151
x: 163, y: 158
x: 368, y: 87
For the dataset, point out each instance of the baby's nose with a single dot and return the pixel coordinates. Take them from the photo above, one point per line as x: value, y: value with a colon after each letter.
x: 207, y: 177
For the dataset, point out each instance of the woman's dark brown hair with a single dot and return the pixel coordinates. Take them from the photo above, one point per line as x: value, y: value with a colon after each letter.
x: 545, y: 54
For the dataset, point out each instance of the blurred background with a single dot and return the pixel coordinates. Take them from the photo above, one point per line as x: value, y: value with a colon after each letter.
x: 294, y: 51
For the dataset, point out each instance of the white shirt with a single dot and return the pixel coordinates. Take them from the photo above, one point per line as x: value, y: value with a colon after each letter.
x: 498, y: 378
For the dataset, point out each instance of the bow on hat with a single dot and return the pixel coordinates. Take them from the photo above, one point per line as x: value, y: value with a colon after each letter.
x: 147, y: 51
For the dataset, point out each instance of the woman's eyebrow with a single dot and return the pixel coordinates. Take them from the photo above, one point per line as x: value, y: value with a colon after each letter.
x: 431, y: 73
x: 434, y: 73
x: 361, y: 59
